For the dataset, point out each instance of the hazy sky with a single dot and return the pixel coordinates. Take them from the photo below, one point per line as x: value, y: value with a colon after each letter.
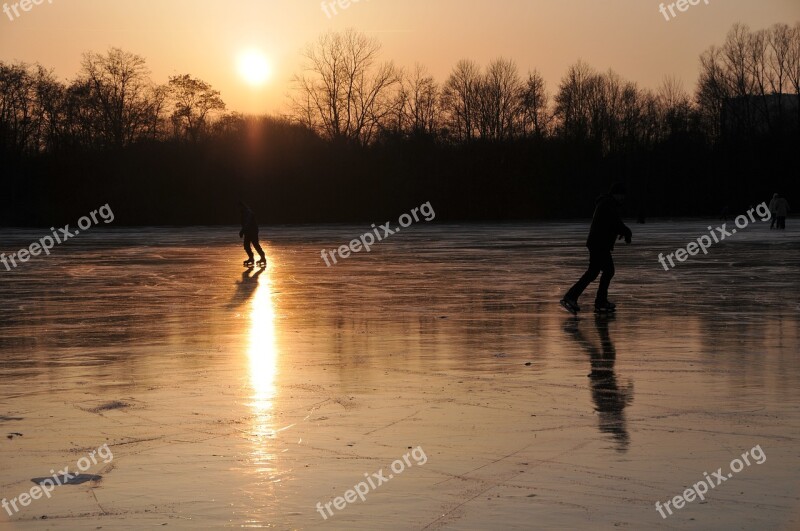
x: 204, y: 37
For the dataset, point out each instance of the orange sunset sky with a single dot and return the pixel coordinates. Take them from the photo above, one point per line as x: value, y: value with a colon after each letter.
x: 206, y: 38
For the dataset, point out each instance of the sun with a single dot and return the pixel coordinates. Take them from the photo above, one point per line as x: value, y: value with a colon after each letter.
x: 254, y: 67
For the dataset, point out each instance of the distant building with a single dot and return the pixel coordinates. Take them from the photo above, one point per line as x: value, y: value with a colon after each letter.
x: 773, y: 113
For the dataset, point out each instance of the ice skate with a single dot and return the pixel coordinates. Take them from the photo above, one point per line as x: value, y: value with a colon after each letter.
x: 605, y: 307
x: 571, y: 305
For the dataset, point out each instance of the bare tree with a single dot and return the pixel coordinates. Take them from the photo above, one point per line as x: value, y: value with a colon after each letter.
x: 573, y: 100
x: 460, y: 100
x: 535, y: 106
x: 230, y: 124
x: 674, y: 106
x: 417, y: 103
x: 194, y: 101
x: 49, y: 100
x: 793, y: 64
x: 779, y: 65
x: 630, y: 117
x: 343, y: 92
x: 712, y: 90
x: 31, y: 100
x: 125, y: 102
x: 612, y: 113
x: 758, y: 65
x: 650, y: 128
x: 17, y: 126
x: 499, y: 100
x: 743, y: 83
x: 605, y: 102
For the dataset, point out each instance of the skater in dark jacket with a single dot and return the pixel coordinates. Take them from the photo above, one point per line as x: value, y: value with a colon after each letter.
x: 781, y: 211
x: 250, y: 234
x: 606, y: 227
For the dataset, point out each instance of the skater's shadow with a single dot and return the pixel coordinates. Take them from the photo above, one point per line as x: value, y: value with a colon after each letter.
x: 246, y: 287
x: 609, y: 398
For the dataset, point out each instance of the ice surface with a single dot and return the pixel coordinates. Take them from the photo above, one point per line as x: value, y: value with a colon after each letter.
x: 241, y: 399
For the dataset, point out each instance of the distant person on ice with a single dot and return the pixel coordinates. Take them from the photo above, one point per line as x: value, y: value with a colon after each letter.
x: 250, y: 234
x: 606, y: 227
x: 773, y: 210
x: 781, y: 211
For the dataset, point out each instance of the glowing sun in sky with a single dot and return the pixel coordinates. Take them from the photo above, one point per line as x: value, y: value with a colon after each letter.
x: 254, y: 67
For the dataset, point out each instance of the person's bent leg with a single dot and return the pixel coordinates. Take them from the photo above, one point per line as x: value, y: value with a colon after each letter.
x: 247, y: 243
x: 258, y: 248
x: 591, y: 274
x: 606, y: 264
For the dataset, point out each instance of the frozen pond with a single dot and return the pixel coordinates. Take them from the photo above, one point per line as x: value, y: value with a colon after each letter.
x: 244, y: 399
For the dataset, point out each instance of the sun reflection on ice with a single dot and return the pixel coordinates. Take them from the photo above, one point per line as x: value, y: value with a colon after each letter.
x: 263, y: 366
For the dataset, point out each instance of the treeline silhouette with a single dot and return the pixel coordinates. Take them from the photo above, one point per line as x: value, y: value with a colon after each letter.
x: 366, y: 140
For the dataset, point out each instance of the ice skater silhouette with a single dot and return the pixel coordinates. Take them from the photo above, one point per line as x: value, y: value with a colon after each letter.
x: 773, y: 210
x: 250, y: 234
x: 606, y: 227
x: 781, y: 211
